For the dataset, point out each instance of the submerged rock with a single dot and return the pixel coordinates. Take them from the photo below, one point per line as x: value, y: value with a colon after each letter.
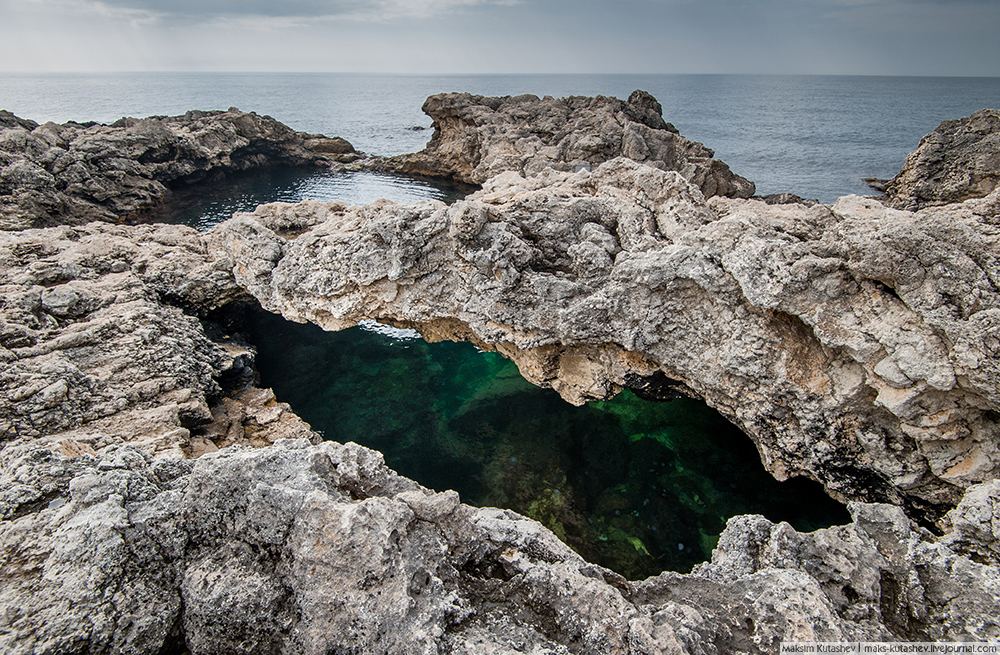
x: 73, y: 174
x: 318, y: 549
x: 476, y: 138
x: 958, y: 161
x: 832, y: 335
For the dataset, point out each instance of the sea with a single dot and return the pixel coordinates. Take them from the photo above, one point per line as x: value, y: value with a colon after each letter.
x: 815, y: 136
x: 637, y: 486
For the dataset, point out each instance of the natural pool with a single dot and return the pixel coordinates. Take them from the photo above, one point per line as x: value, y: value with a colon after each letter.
x: 636, y: 486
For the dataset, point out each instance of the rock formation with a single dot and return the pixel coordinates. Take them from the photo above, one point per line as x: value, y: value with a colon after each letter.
x: 854, y: 343
x: 476, y: 138
x: 831, y: 335
x: 959, y: 160
x: 96, y: 347
x: 319, y: 549
x: 73, y: 174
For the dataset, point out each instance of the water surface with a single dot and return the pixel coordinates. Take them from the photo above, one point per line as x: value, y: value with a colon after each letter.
x: 814, y: 135
x: 636, y: 486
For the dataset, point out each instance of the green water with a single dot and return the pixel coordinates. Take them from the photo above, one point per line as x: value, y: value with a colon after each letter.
x: 636, y: 486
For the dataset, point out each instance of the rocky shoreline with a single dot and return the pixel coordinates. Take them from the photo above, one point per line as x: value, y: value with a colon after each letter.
x: 73, y: 174
x: 855, y: 343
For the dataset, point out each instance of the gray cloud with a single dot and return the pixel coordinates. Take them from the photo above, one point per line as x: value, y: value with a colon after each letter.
x: 365, y: 10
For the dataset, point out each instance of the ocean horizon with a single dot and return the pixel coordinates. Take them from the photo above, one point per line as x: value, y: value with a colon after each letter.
x: 817, y: 136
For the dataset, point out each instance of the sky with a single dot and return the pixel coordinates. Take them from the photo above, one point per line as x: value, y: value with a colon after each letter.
x: 862, y: 37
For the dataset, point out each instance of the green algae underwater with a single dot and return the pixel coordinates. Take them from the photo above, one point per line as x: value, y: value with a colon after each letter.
x: 636, y: 486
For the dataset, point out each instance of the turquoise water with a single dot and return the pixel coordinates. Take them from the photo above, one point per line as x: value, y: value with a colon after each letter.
x: 636, y: 486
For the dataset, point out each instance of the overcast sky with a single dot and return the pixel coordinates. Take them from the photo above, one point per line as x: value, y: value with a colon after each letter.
x: 894, y: 37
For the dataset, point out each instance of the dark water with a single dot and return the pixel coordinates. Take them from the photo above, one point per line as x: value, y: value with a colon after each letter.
x: 816, y: 136
x: 203, y: 205
x: 636, y: 486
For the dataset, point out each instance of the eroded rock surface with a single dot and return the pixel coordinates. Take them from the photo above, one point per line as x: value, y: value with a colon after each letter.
x: 321, y: 549
x: 856, y: 344
x: 73, y: 174
x: 476, y: 138
x: 100, y: 343
x: 959, y: 160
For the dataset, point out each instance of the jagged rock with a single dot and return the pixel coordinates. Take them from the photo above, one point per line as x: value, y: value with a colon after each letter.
x: 96, y: 346
x: 73, y: 174
x: 958, y: 161
x: 319, y: 549
x: 476, y: 138
x: 853, y: 343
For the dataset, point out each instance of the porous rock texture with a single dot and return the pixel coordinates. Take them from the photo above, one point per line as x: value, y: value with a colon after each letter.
x: 476, y: 138
x: 101, y: 343
x: 854, y: 343
x: 959, y: 160
x: 318, y: 549
x: 72, y: 174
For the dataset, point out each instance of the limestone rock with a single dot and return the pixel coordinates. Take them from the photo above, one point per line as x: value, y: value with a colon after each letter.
x: 476, y: 138
x: 959, y: 160
x: 852, y: 342
x: 318, y: 549
x: 73, y: 174
x: 101, y: 342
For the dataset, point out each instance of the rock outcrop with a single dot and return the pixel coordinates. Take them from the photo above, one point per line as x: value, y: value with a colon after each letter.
x: 855, y: 344
x: 73, y: 174
x: 321, y: 549
x: 476, y: 138
x: 101, y: 343
x: 959, y: 160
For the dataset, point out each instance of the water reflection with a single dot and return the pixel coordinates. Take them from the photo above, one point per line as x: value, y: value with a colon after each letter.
x: 206, y: 204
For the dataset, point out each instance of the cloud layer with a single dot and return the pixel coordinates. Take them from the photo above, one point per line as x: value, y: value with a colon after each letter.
x: 909, y: 37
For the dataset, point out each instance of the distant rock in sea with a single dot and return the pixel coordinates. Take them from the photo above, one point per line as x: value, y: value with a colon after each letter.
x: 477, y: 137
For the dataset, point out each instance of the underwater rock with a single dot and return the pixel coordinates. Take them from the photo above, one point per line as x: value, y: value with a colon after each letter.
x: 101, y: 342
x: 73, y: 174
x: 476, y: 138
x: 316, y: 549
x: 852, y: 342
x: 958, y: 161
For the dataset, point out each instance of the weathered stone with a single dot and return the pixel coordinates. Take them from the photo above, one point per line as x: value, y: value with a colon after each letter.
x: 318, y: 549
x: 476, y: 138
x: 958, y: 161
x: 101, y: 344
x: 73, y: 174
x: 831, y: 335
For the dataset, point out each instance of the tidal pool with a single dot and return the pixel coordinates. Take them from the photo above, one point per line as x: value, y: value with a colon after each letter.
x: 636, y: 486
x: 639, y: 487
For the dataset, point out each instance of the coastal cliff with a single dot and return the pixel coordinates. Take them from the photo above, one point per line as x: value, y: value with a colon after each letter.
x: 854, y: 342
